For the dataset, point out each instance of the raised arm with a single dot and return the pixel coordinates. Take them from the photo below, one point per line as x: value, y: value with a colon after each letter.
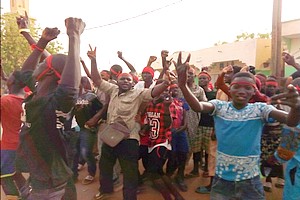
x: 129, y: 65
x: 290, y: 60
x: 96, y: 78
x: 290, y: 98
x: 33, y: 59
x: 151, y: 60
x: 220, y: 84
x: 182, y: 73
x: 23, y: 25
x: 72, y: 73
x: 86, y: 70
x: 165, y: 64
x: 159, y: 88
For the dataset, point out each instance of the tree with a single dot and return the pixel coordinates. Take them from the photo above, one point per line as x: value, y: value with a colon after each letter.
x: 14, y: 47
x: 245, y: 36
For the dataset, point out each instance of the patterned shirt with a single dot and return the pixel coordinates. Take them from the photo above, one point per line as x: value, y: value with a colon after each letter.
x: 239, y: 134
x: 160, y: 132
x: 180, y: 105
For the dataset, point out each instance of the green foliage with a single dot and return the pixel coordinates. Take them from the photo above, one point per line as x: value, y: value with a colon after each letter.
x: 220, y: 43
x: 245, y: 36
x: 14, y: 47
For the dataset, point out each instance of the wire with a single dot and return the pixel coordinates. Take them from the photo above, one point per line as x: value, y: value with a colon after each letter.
x: 130, y: 18
x: 127, y: 19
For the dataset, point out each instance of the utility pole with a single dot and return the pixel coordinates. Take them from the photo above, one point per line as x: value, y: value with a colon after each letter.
x: 276, y: 61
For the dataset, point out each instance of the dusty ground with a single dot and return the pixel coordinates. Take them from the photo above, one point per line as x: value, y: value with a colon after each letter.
x: 86, y: 192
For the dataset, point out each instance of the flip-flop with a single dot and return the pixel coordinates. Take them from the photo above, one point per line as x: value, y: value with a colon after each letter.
x: 202, y: 190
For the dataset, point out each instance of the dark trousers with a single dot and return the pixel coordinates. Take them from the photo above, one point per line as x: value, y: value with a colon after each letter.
x: 127, y: 152
x: 157, y: 159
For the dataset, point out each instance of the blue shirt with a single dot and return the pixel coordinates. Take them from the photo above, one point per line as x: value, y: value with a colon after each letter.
x: 239, y: 133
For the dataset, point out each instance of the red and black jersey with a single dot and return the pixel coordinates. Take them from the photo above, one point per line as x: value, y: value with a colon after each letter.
x: 160, y: 122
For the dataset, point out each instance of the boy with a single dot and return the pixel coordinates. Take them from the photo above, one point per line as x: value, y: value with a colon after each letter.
x: 238, y: 126
x: 159, y: 115
x: 180, y: 147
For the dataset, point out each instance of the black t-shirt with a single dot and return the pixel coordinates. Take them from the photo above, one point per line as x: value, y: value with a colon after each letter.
x: 207, y: 119
x: 87, y: 105
x: 296, y: 74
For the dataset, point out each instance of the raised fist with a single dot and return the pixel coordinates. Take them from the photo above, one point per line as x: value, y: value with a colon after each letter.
x: 50, y: 33
x: 74, y: 26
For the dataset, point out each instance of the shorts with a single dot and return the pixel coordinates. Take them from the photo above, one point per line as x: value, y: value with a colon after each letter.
x: 8, y: 159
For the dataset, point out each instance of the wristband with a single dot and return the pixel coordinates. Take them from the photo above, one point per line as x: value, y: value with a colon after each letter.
x: 24, y: 30
x: 33, y: 46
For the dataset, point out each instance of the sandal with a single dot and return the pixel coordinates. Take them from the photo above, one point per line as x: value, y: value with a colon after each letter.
x: 202, y: 190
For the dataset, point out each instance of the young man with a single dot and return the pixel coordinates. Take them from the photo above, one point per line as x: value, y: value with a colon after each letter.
x: 193, y: 122
x: 270, y: 141
x: 13, y: 182
x: 207, y: 130
x: 147, y: 75
x: 160, y: 113
x: 124, y: 104
x: 180, y: 146
x: 288, y: 152
x: 238, y: 126
x: 86, y: 113
x: 41, y: 151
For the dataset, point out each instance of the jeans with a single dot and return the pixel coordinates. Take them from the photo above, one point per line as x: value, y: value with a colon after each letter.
x: 87, y: 141
x: 237, y: 190
x: 127, y: 152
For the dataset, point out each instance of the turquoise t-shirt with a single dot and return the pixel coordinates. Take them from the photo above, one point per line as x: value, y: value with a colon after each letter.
x: 239, y: 133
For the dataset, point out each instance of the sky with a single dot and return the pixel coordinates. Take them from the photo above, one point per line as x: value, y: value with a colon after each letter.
x: 141, y: 28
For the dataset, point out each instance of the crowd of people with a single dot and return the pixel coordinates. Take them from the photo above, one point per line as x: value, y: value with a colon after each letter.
x: 55, y: 121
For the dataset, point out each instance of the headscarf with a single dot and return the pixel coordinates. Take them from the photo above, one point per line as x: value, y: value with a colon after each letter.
x: 149, y: 70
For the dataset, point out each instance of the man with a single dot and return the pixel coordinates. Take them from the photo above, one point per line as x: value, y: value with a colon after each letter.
x: 41, y: 151
x: 124, y: 103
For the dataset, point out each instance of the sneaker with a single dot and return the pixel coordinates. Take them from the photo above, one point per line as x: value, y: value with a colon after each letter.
x: 97, y: 157
x: 268, y: 186
x: 181, y: 184
x: 279, y: 183
x: 102, y: 196
x: 202, y: 190
x: 88, y: 180
x: 80, y: 167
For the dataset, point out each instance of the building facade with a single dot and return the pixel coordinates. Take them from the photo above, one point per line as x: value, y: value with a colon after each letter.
x: 255, y: 52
